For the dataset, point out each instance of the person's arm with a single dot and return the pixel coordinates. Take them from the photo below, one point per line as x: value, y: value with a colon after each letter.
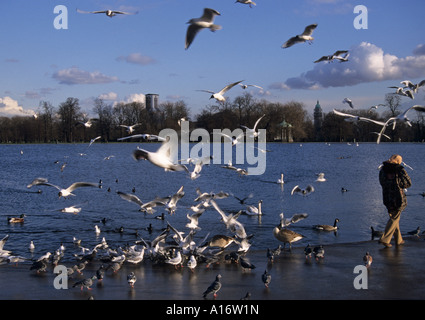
x: 404, y: 179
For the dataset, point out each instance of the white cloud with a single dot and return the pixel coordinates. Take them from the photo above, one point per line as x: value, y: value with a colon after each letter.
x: 10, y: 107
x: 110, y: 96
x: 136, y: 97
x: 76, y: 76
x: 367, y: 63
x: 137, y: 58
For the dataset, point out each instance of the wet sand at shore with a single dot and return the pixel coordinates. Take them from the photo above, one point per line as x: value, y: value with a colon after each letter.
x: 396, y: 273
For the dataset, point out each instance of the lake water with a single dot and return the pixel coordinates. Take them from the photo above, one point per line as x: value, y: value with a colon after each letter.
x: 354, y: 167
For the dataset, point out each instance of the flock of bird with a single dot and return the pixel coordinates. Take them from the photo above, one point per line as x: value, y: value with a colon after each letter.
x: 178, y: 248
x: 206, y: 21
x: 171, y: 246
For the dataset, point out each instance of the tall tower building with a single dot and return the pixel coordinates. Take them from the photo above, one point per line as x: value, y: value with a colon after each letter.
x: 318, y: 121
x: 152, y: 102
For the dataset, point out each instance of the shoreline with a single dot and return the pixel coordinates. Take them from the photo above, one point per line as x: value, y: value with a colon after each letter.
x: 396, y: 273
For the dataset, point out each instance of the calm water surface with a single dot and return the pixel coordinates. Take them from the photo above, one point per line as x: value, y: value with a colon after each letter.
x: 354, y: 167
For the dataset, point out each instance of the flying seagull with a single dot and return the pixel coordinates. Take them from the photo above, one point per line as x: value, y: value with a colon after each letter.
x: 249, y: 2
x: 62, y: 192
x: 336, y: 55
x: 197, y: 24
x: 400, y: 118
x: 353, y: 118
x: 375, y: 107
x: 235, y: 140
x: 219, y: 96
x: 93, y: 140
x: 305, y: 36
x: 130, y: 129
x: 87, y: 123
x: 245, y: 86
x: 253, y: 132
x: 412, y: 86
x: 109, y: 13
x: 401, y: 92
x: 146, y: 136
x: 349, y: 102
x: 160, y: 158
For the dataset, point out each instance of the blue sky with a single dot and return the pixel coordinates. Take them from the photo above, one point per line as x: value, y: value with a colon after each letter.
x: 124, y: 57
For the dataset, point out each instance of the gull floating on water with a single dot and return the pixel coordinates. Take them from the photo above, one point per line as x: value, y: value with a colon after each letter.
x: 62, y: 192
x: 109, y: 13
x: 305, y: 36
x: 219, y: 96
x: 321, y: 177
x: 197, y: 24
x: 71, y: 209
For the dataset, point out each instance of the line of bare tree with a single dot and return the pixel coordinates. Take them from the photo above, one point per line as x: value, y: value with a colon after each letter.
x: 66, y: 122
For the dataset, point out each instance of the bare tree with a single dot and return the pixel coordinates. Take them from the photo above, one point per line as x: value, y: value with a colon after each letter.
x: 69, y: 112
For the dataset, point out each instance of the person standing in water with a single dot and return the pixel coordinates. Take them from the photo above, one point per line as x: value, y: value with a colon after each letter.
x: 393, y: 179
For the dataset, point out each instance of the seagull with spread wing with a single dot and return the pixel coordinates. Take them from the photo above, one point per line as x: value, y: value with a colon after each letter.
x: 219, y: 96
x: 402, y: 118
x: 109, y: 13
x: 413, y: 86
x: 304, y: 37
x: 253, y: 132
x: 130, y: 129
x: 62, y: 191
x: 197, y: 24
x: 160, y: 158
x: 353, y: 118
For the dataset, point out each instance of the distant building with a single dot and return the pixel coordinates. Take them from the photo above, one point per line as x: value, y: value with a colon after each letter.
x: 318, y: 121
x: 152, y: 102
x: 286, y: 132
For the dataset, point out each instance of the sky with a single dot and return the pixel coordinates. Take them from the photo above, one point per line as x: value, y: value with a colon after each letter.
x: 49, y: 55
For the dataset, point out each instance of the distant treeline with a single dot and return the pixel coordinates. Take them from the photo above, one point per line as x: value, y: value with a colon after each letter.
x: 65, y: 123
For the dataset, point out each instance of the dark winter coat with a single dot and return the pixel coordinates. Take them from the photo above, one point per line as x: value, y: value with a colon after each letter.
x: 394, y: 179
